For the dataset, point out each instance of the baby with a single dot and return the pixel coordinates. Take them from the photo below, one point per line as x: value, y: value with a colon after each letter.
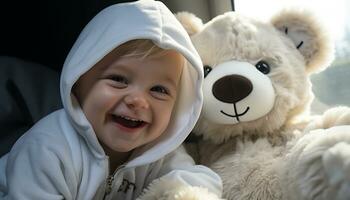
x: 131, y: 91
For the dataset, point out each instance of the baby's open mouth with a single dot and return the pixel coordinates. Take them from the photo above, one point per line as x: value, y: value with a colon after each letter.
x: 128, y: 122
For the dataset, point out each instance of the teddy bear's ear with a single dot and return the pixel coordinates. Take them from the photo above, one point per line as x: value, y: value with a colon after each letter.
x: 309, y: 36
x: 190, y: 22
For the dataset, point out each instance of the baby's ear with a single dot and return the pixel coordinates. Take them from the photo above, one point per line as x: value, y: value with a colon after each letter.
x: 309, y: 36
x: 190, y: 22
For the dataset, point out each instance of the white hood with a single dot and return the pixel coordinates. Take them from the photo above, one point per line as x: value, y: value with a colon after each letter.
x: 115, y: 25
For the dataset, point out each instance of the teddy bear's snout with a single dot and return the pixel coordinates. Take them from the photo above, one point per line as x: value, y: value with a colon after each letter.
x: 232, y: 88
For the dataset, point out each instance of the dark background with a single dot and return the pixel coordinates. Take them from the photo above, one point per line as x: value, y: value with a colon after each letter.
x: 43, y: 31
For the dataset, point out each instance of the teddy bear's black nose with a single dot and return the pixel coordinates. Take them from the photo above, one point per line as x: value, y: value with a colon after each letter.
x: 232, y: 88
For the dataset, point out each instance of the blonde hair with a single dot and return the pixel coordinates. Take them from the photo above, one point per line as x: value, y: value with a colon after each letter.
x: 140, y: 48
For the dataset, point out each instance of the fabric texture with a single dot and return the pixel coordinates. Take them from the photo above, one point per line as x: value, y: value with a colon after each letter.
x: 60, y: 156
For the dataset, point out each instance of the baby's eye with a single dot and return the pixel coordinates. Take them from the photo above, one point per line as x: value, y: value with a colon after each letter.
x: 118, y: 80
x: 160, y: 89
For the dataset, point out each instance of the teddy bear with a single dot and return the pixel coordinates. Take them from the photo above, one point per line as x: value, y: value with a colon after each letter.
x: 255, y: 129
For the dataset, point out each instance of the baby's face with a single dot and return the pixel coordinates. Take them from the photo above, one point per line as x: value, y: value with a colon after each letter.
x: 129, y: 102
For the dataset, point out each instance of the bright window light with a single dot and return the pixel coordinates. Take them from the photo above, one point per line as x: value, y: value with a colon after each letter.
x: 332, y: 13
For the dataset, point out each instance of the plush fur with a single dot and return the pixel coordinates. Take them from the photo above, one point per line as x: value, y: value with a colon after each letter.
x: 266, y: 145
x: 164, y: 189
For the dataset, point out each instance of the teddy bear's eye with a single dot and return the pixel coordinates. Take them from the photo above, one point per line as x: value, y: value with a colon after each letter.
x: 263, y: 67
x: 207, y: 69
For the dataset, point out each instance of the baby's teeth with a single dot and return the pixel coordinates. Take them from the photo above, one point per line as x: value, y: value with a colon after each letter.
x: 135, y: 120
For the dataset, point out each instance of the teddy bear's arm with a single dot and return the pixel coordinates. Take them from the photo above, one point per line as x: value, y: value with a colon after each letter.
x: 333, y: 117
x: 319, y: 164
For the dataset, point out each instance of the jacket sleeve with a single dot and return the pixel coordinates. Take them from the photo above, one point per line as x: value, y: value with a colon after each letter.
x: 38, y: 171
x: 180, y: 166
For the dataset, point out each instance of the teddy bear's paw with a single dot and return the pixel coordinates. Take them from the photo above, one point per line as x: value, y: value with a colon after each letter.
x: 336, y: 163
x: 324, y: 164
x: 194, y: 193
x: 336, y: 116
x: 164, y: 189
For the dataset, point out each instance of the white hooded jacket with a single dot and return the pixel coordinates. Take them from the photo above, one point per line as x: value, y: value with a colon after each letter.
x: 60, y: 156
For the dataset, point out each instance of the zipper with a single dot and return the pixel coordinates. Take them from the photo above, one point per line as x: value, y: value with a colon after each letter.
x: 110, y: 179
x: 109, y: 183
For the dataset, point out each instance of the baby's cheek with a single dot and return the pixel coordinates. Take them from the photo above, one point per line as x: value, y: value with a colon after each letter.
x: 168, y: 114
x: 106, y: 99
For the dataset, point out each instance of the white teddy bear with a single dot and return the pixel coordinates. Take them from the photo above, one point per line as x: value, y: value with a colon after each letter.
x: 256, y: 131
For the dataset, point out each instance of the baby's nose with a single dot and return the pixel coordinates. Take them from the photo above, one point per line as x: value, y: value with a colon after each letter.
x: 137, y: 100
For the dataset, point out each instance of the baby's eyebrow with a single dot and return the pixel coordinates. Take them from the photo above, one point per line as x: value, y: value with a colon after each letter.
x: 171, y: 81
x: 117, y: 67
